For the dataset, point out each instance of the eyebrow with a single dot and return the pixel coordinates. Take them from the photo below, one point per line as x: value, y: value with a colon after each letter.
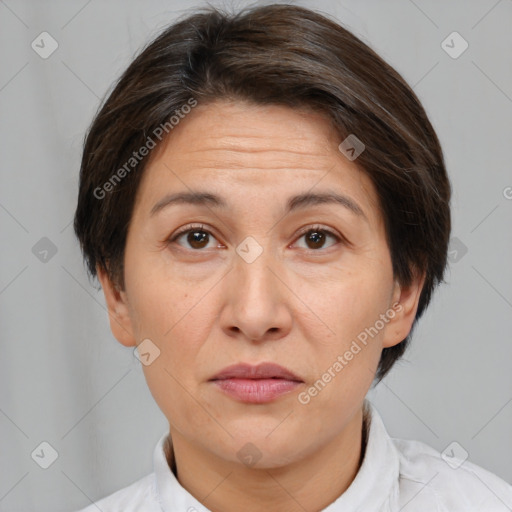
x: 294, y: 203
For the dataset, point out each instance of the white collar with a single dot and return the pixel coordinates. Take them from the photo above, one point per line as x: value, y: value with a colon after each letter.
x: 374, y: 489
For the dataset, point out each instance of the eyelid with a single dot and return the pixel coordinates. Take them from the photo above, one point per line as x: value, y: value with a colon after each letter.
x: 320, y: 227
x: 187, y: 228
x: 340, y: 239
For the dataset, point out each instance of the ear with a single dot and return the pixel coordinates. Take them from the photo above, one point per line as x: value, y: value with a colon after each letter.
x: 404, y: 303
x: 118, y: 310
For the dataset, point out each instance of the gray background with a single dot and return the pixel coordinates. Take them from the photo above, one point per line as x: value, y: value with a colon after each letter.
x: 65, y: 380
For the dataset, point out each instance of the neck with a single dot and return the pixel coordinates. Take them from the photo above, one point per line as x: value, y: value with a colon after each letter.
x: 311, y: 483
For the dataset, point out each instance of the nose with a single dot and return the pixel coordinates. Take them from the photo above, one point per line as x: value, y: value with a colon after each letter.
x: 257, y: 301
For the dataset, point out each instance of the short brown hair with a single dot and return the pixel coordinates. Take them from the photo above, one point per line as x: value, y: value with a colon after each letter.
x: 274, y: 54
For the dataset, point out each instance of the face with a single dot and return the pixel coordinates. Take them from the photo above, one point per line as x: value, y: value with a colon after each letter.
x: 256, y: 276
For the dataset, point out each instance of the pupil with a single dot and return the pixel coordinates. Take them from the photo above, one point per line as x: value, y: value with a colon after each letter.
x: 195, y: 238
x: 316, y: 237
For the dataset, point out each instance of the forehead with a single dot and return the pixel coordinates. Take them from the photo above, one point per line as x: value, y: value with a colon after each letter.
x: 252, y: 151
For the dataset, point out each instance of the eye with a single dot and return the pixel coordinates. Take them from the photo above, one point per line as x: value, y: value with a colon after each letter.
x: 316, y: 236
x: 197, y: 237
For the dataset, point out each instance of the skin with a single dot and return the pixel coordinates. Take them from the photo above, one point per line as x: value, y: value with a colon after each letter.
x: 298, y: 304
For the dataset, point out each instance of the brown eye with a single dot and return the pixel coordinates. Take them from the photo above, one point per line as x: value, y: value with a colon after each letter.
x: 196, y: 238
x: 316, y: 238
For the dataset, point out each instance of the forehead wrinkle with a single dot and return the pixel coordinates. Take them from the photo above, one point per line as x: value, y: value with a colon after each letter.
x: 225, y: 165
x: 253, y: 159
x: 291, y: 142
x: 242, y: 149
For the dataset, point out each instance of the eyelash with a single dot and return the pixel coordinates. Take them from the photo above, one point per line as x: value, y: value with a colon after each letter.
x: 303, y: 232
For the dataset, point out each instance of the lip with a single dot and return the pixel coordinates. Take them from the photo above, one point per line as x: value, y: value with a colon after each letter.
x: 259, y: 371
x: 258, y: 384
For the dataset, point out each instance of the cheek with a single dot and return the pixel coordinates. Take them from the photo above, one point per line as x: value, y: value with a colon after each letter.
x: 345, y: 360
x: 346, y: 307
x: 175, y: 320
x: 179, y: 330
x: 174, y: 396
x: 162, y: 304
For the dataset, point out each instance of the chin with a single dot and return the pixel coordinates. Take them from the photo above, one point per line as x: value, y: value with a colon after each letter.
x: 263, y: 448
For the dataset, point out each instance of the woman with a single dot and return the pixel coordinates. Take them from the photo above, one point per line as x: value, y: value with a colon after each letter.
x: 266, y: 206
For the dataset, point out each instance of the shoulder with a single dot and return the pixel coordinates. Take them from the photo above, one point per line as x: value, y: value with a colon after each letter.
x: 447, y: 483
x: 140, y: 496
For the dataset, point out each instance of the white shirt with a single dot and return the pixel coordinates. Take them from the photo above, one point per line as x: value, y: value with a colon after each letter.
x: 396, y: 476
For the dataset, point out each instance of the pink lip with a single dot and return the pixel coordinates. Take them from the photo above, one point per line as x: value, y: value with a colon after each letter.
x: 256, y: 384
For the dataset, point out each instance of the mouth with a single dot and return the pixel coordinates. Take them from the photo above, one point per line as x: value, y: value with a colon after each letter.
x: 258, y: 384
